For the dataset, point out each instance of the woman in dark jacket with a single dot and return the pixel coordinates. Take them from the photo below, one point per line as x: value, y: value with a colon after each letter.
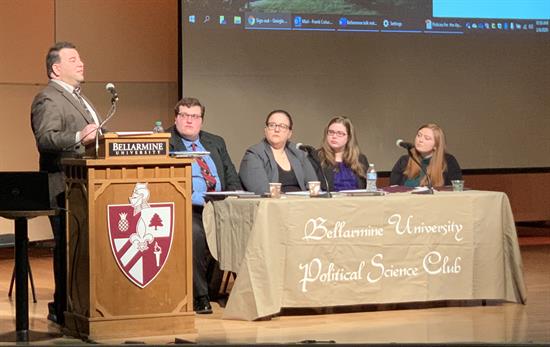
x: 430, y: 150
x: 276, y: 159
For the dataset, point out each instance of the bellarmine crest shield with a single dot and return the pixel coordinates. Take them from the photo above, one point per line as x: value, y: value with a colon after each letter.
x: 141, y: 235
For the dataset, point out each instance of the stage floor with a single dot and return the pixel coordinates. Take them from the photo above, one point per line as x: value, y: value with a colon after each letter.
x: 464, y: 322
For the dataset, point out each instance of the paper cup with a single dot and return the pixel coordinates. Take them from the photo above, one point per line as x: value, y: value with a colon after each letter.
x: 314, y: 188
x: 458, y: 185
x: 275, y: 190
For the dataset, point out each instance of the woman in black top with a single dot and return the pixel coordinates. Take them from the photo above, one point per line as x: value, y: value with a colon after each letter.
x: 430, y: 150
x: 276, y: 159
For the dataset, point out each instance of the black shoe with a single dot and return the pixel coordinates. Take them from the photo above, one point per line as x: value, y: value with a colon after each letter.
x: 54, y: 314
x: 202, y: 305
x: 51, y: 312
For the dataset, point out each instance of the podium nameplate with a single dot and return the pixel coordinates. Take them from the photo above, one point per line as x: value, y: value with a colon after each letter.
x: 138, y: 145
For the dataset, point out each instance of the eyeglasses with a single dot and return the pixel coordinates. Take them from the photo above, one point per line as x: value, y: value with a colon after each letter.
x: 273, y: 126
x: 190, y: 116
x: 336, y: 133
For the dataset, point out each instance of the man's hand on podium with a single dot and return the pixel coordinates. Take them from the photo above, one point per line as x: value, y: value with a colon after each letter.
x: 88, y: 133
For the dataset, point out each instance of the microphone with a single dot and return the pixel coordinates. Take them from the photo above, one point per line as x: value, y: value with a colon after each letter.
x: 111, y: 89
x: 406, y: 145
x: 114, y: 98
x: 310, y: 150
x: 409, y: 146
x: 306, y: 148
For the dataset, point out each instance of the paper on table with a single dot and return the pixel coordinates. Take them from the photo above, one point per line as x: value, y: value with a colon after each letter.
x: 299, y: 193
x: 230, y: 193
x: 190, y: 154
x: 133, y: 133
x: 362, y: 192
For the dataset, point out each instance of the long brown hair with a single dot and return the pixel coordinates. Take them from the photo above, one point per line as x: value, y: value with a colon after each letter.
x: 351, y: 153
x: 437, y: 165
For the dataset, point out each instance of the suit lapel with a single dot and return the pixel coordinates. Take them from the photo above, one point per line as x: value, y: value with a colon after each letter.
x: 72, y: 100
x: 99, y: 118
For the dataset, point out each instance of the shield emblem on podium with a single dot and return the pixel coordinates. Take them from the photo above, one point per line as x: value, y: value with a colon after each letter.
x: 141, y: 237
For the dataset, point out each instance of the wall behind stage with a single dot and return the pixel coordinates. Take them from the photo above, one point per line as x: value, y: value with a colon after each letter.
x: 489, y: 91
x: 131, y: 43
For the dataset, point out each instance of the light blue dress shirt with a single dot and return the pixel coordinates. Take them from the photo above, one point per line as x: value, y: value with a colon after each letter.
x: 199, y: 184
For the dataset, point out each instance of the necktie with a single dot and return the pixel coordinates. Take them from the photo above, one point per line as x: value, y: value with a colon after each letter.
x: 83, y: 104
x: 205, y: 171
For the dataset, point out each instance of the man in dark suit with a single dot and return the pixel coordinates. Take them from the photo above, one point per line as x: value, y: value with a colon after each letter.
x: 213, y: 172
x: 63, y: 122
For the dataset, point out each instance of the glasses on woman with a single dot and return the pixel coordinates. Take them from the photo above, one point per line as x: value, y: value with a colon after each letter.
x: 190, y: 116
x: 336, y: 133
x: 273, y: 126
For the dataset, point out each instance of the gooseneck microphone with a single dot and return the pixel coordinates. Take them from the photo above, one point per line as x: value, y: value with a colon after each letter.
x: 306, y: 148
x: 310, y: 150
x: 111, y: 89
x: 406, y: 145
x: 114, y: 99
x: 409, y: 146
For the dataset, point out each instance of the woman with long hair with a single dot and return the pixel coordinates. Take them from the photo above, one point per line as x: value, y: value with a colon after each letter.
x: 430, y: 149
x: 340, y: 159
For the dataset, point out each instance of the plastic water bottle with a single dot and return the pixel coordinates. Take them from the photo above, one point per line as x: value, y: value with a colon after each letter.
x: 158, y: 127
x: 371, y: 179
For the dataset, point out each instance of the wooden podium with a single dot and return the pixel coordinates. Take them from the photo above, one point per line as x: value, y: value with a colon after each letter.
x: 129, y: 240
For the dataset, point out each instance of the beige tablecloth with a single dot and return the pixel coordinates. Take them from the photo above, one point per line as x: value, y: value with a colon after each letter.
x: 303, y: 252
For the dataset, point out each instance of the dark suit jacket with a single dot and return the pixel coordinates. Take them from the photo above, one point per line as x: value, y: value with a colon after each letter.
x: 218, y: 152
x: 259, y: 168
x: 329, y: 172
x: 56, y: 117
x: 453, y: 171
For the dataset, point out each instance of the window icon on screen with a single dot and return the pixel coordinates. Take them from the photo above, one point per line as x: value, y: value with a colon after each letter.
x: 428, y: 24
x: 237, y: 20
x: 297, y: 21
x: 192, y: 19
x: 251, y: 20
x: 223, y: 21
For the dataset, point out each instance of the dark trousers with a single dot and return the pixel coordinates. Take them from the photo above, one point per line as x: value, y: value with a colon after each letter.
x: 58, y: 224
x: 207, y: 275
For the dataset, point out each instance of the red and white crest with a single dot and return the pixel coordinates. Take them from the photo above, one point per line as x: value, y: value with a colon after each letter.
x: 141, y: 235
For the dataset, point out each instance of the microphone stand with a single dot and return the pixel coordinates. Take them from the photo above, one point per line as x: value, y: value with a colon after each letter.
x: 318, y: 165
x: 110, y: 115
x: 430, y: 187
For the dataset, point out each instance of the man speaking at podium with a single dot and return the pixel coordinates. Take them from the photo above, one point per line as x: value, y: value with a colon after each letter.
x: 63, y: 122
x: 212, y: 172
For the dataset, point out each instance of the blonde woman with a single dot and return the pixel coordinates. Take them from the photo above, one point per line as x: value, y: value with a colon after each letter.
x: 430, y: 150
